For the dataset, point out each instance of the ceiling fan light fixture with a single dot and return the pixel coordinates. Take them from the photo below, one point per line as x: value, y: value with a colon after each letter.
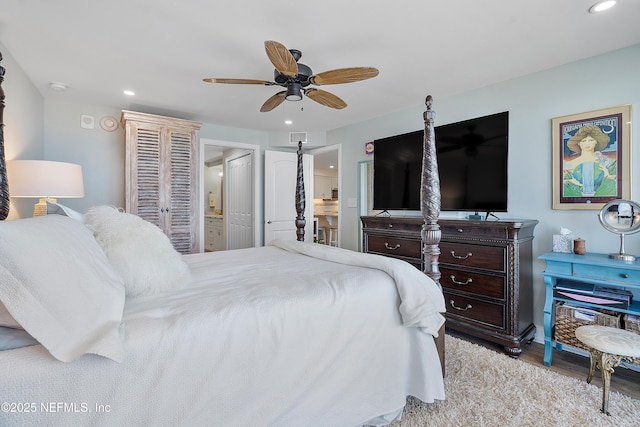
x: 602, y: 6
x: 294, y: 78
x: 294, y: 92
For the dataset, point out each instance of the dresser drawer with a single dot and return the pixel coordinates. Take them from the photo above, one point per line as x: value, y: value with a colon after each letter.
x: 402, y: 224
x: 474, y: 310
x: 466, y: 255
x: 475, y: 283
x: 610, y: 274
x: 395, y: 246
x: 474, y: 230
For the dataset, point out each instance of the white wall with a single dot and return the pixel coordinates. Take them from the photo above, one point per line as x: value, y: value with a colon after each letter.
x: 532, y: 101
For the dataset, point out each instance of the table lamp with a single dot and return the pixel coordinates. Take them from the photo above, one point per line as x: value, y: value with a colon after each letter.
x: 45, y: 180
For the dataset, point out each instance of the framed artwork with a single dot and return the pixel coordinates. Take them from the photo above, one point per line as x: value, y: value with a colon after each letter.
x: 591, y: 158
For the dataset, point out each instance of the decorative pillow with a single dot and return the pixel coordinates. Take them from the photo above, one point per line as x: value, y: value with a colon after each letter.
x: 139, y: 251
x: 58, y: 209
x: 56, y: 282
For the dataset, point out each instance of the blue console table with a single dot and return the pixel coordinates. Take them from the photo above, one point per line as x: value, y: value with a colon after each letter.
x: 591, y: 268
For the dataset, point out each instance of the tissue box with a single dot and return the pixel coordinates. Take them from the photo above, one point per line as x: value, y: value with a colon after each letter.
x: 563, y: 243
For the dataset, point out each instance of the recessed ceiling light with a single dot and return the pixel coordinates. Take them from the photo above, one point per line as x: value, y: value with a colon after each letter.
x: 288, y: 122
x: 602, y: 6
x: 60, y: 87
x: 128, y: 92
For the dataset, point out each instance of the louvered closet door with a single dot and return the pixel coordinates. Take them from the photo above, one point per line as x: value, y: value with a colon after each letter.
x: 161, y: 175
x: 145, y: 197
x: 180, y: 179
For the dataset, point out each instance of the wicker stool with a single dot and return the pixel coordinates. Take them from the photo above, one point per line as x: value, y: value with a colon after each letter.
x: 607, y: 347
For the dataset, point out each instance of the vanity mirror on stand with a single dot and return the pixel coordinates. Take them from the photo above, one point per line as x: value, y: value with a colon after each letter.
x: 621, y: 217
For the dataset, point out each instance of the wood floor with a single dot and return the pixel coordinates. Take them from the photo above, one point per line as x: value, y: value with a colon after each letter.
x: 623, y: 380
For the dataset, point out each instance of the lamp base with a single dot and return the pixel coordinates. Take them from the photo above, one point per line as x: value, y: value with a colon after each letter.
x: 623, y: 257
x: 40, y: 208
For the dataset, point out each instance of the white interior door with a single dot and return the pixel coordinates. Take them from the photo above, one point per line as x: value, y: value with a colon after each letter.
x: 239, y: 195
x: 280, y: 171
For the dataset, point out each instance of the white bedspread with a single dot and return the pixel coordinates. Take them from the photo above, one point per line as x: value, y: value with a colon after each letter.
x: 262, y: 337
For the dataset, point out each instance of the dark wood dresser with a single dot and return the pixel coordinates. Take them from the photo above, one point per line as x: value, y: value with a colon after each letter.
x: 486, y: 269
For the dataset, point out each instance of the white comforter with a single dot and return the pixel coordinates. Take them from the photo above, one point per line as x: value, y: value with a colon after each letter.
x: 262, y: 337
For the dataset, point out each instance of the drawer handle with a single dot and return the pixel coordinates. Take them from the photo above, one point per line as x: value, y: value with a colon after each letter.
x: 453, y: 304
x: 460, y: 230
x: 397, y: 246
x: 453, y: 254
x: 624, y: 275
x: 453, y: 279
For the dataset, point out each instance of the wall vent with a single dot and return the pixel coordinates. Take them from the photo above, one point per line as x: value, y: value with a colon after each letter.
x: 295, y: 137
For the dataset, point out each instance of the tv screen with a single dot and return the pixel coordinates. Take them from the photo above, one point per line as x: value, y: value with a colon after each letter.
x: 472, y: 163
x: 397, y: 169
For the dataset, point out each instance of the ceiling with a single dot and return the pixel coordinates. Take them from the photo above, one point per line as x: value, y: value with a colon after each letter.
x: 162, y: 49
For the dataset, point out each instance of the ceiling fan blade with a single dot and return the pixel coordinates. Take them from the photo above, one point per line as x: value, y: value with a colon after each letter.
x: 281, y: 58
x: 325, y: 98
x: 239, y: 81
x: 273, y: 102
x: 343, y: 75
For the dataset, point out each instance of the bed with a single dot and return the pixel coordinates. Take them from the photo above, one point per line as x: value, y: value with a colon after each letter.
x: 103, y: 323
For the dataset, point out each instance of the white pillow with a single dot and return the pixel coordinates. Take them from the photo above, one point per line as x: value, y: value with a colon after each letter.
x: 58, y: 285
x: 139, y: 251
x: 59, y: 209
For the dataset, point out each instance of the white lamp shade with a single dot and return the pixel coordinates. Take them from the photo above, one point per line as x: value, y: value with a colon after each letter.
x: 42, y: 178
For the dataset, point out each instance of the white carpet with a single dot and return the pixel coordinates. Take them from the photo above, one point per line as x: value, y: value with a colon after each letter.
x: 486, y: 388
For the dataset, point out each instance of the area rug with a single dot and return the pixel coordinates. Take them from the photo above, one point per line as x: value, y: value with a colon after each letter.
x: 486, y: 388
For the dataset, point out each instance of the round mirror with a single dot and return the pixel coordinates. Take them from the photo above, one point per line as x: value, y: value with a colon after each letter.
x: 621, y: 217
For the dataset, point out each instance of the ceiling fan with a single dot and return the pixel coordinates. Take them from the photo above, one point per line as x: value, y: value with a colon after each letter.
x: 297, y: 78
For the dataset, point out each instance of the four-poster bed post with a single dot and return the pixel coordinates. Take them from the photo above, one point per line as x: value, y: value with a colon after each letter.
x: 430, y: 207
x: 4, y: 185
x: 430, y: 197
x: 300, y: 199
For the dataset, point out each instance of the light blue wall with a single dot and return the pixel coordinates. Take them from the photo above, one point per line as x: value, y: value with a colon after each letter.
x: 51, y: 130
x: 101, y: 154
x: 532, y: 101
x: 24, y: 123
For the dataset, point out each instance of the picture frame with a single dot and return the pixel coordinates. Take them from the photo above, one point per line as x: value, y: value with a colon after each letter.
x: 591, y: 158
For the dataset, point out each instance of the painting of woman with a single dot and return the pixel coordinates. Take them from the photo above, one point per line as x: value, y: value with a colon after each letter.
x: 587, y: 171
x: 591, y: 158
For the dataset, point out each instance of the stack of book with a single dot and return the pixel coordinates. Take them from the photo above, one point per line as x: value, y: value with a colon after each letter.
x: 593, y: 294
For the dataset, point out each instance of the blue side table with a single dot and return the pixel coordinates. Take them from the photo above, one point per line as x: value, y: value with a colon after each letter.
x: 591, y: 268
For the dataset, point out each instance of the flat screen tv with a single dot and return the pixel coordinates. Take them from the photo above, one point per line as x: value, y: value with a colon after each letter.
x: 472, y: 163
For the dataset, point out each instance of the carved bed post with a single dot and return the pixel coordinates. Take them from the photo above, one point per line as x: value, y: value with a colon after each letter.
x: 4, y: 185
x: 300, y: 199
x: 430, y: 197
x: 430, y: 206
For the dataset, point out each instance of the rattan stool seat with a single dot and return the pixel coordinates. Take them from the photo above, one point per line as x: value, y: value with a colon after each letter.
x: 607, y: 347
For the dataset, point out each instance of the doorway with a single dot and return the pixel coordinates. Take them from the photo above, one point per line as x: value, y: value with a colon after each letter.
x: 327, y: 164
x: 233, y: 196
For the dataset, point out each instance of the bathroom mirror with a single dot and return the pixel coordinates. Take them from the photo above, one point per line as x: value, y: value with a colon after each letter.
x: 621, y: 217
